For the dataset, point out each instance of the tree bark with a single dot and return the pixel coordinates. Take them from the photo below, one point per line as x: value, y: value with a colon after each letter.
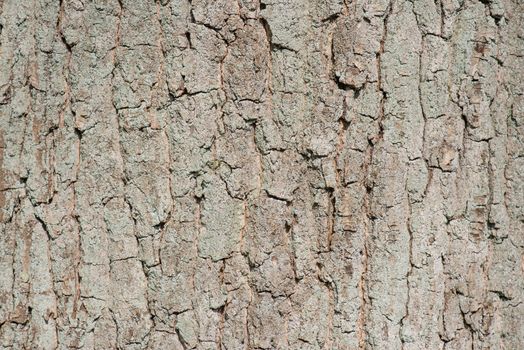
x: 292, y: 174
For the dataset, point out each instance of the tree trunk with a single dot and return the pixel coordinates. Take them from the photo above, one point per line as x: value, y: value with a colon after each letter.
x: 292, y: 174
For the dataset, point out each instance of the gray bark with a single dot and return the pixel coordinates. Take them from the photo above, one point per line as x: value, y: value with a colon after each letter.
x: 292, y: 174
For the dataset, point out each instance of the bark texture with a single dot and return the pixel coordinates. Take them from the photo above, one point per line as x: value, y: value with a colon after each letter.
x: 285, y: 174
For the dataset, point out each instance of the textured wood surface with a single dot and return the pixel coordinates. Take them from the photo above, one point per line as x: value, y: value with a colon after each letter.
x: 291, y: 174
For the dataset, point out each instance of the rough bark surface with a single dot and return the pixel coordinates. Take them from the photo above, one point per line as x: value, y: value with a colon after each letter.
x: 285, y: 174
